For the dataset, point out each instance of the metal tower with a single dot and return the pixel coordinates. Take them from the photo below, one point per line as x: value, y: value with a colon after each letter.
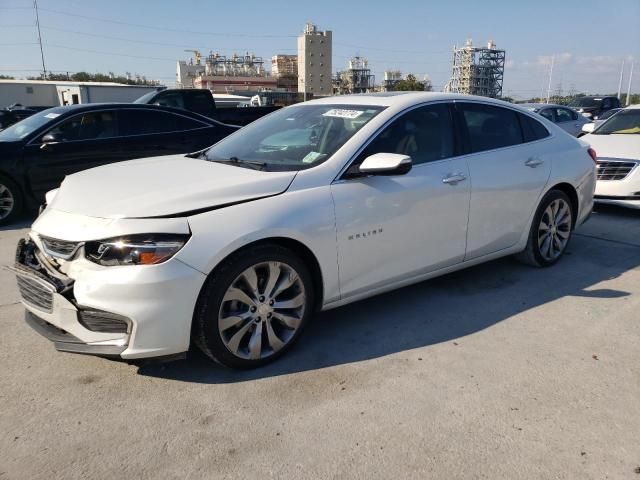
x: 477, y: 70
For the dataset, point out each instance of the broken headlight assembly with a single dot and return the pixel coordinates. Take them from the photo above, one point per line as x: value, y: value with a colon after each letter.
x: 148, y: 249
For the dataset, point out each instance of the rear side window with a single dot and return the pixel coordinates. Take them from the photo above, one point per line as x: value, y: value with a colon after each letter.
x: 425, y: 134
x: 532, y: 129
x: 490, y: 127
x: 143, y: 122
x: 199, y: 102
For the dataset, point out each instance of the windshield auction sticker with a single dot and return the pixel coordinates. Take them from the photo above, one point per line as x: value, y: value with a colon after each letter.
x: 341, y: 113
x: 52, y: 115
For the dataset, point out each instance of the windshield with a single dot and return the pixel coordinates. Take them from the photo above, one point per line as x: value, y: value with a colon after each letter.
x: 625, y: 122
x: 294, y: 138
x: 586, y: 102
x: 20, y: 130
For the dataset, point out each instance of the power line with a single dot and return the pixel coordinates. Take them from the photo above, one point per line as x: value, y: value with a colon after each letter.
x: 166, y: 29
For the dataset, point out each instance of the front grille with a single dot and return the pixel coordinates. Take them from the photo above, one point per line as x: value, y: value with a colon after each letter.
x: 614, y: 169
x: 99, y: 321
x: 35, y: 293
x: 59, y: 248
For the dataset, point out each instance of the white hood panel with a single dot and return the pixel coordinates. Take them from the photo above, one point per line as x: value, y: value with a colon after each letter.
x: 161, y: 186
x: 615, y: 146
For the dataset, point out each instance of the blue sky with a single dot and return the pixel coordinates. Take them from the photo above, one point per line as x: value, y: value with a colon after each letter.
x: 589, y: 39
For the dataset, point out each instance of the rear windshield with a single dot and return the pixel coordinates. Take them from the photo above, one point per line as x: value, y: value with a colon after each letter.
x: 586, y: 102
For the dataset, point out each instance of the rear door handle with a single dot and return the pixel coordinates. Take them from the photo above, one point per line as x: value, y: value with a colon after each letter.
x: 454, y: 179
x: 533, y: 162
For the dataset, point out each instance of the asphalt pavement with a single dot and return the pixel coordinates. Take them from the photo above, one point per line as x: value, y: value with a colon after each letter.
x: 500, y: 371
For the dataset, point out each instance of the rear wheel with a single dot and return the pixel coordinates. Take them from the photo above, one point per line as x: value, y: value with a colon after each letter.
x: 254, y: 307
x: 10, y: 200
x: 550, y: 231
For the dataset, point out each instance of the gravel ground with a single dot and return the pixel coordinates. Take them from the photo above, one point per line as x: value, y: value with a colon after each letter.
x: 498, y: 372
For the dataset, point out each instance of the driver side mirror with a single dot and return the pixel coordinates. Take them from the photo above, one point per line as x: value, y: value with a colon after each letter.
x: 51, y: 139
x: 386, y: 164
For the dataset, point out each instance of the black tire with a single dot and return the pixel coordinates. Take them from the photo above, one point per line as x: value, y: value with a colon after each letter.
x: 533, y: 254
x: 18, y: 200
x: 206, y: 333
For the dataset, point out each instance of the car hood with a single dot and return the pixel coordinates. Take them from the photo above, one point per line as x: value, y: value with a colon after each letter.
x: 167, y: 186
x: 615, y: 146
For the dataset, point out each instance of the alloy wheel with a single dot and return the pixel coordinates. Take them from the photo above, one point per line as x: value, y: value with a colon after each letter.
x: 554, y: 229
x: 262, y: 310
x: 7, y: 201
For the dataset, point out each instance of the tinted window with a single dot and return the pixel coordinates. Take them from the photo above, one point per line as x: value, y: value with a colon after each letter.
x: 607, y: 103
x: 532, y: 129
x: 491, y: 127
x: 87, y: 126
x: 199, y: 102
x: 563, y: 115
x: 141, y: 122
x: 425, y: 134
x: 172, y: 99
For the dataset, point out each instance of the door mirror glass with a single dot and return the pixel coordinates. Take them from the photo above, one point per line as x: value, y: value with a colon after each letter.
x: 386, y: 164
x: 52, y: 137
x: 588, y: 127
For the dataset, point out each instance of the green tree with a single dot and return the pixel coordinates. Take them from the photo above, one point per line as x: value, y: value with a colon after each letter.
x: 7, y: 77
x: 409, y: 84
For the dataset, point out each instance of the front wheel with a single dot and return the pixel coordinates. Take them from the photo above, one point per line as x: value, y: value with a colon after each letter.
x: 254, y: 306
x: 550, y: 231
x: 10, y: 201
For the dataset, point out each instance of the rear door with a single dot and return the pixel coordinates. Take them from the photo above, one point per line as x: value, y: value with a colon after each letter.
x: 87, y: 140
x: 507, y: 176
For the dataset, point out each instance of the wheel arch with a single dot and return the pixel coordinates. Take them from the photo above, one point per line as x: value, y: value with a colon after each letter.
x: 571, y: 192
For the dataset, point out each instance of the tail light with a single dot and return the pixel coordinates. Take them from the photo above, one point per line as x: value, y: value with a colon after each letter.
x: 593, y: 155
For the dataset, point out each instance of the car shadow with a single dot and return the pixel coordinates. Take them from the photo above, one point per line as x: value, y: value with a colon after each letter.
x: 435, y: 311
x: 24, y: 221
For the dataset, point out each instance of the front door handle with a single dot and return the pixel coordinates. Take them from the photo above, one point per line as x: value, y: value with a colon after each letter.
x: 533, y: 162
x: 454, y: 179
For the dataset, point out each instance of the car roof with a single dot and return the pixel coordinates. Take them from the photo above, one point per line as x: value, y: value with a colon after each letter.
x: 88, y: 107
x: 400, y: 99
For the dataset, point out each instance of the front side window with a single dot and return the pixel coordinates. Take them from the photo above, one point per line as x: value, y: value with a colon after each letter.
x: 563, y: 115
x: 548, y: 114
x: 87, y: 126
x: 625, y: 122
x: 425, y: 134
x: 490, y: 127
x: 294, y: 138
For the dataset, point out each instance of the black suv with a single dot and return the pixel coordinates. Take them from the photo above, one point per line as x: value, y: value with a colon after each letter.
x: 593, y: 107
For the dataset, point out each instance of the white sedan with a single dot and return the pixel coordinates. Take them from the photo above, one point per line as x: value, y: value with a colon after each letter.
x: 312, y: 207
x: 617, y: 142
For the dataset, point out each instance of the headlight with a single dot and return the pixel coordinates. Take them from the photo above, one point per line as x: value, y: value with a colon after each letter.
x: 148, y: 249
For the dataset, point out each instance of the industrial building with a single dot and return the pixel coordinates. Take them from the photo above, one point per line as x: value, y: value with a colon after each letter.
x: 314, y: 61
x: 477, y: 70
x: 357, y: 78
x: 186, y: 73
x: 50, y: 93
x: 391, y: 78
x: 238, y: 73
x: 285, y: 69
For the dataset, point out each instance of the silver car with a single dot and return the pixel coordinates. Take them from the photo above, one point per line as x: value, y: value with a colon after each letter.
x: 566, y: 118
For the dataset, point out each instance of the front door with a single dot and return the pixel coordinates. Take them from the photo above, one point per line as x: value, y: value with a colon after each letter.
x: 86, y: 140
x: 392, y: 228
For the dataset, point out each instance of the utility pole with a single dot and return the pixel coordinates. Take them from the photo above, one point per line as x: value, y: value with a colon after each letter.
x: 629, y: 87
x: 620, y: 82
x: 44, y: 69
x: 553, y: 57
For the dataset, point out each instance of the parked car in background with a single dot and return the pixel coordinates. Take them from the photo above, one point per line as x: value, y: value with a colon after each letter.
x: 593, y: 107
x: 617, y: 143
x: 566, y: 118
x: 315, y: 206
x: 605, y: 116
x: 201, y: 101
x: 9, y: 116
x: 38, y: 152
